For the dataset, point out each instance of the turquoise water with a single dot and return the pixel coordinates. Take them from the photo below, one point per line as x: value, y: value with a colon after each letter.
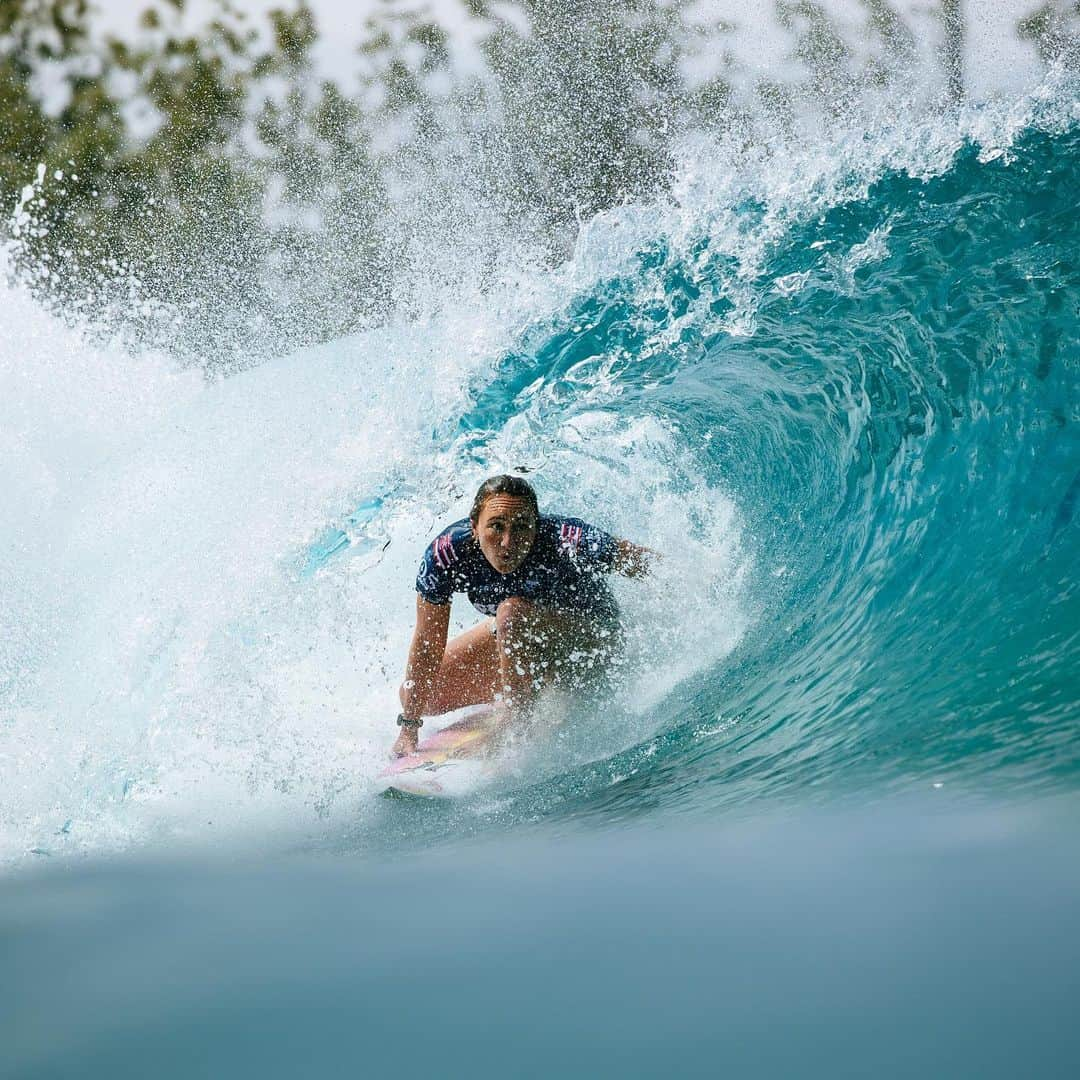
x: 836, y: 797
x: 898, y: 427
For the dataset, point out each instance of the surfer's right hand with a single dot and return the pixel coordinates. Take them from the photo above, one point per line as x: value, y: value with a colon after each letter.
x: 406, y: 741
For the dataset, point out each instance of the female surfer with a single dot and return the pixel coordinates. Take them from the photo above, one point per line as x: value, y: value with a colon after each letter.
x: 551, y: 617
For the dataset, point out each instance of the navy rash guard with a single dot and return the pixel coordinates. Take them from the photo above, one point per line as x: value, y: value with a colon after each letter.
x: 563, y: 568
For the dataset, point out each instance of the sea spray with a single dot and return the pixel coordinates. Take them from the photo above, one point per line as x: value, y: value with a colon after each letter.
x: 833, y: 383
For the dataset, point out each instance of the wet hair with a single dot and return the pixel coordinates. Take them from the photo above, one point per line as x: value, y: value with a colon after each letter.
x: 503, y: 485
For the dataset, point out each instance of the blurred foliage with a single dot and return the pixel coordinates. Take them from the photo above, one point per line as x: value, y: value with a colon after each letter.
x: 212, y: 188
x: 589, y: 99
x: 145, y: 189
x: 1054, y: 28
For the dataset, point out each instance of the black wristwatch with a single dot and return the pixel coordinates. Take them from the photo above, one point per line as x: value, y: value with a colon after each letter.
x: 402, y: 722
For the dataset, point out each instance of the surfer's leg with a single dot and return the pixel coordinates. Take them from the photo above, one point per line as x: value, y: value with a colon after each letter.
x: 519, y: 677
x: 584, y: 652
x: 468, y: 674
x: 541, y: 645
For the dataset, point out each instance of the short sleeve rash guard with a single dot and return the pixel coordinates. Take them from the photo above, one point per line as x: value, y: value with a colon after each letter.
x: 564, y: 567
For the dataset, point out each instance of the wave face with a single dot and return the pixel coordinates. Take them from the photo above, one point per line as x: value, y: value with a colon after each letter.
x: 886, y: 385
x: 838, y: 390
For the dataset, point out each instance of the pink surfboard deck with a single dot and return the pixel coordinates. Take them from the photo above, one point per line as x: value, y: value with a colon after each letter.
x: 448, y: 763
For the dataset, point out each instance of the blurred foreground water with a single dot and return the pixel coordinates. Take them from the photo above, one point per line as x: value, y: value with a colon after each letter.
x: 937, y: 939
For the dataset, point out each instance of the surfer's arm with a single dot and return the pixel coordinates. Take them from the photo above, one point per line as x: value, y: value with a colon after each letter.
x: 632, y: 560
x: 425, y: 656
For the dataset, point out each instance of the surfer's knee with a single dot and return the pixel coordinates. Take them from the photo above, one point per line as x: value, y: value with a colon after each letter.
x: 511, y: 616
x: 513, y: 609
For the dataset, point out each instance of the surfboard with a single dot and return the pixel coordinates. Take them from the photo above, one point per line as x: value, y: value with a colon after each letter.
x: 449, y: 763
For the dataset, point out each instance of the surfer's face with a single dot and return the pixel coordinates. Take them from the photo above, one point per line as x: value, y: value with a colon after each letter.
x: 505, y: 531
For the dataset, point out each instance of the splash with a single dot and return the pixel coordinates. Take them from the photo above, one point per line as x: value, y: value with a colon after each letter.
x: 826, y: 380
